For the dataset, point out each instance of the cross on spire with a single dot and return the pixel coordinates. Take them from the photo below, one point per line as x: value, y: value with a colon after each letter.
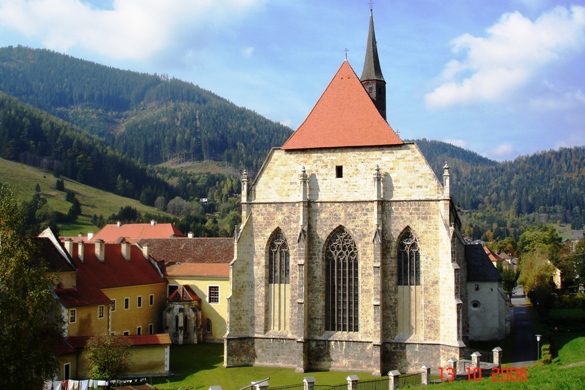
x: 346, y: 50
x: 371, y: 3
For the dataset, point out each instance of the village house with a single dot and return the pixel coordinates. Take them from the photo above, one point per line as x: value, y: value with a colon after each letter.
x: 488, y: 303
x: 107, y: 289
x: 202, y: 265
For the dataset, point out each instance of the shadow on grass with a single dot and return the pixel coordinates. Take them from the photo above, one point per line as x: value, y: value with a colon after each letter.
x: 189, y: 359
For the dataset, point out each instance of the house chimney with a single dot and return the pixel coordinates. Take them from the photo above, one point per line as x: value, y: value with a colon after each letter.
x: 80, y: 250
x: 126, y: 249
x: 89, y: 235
x: 145, y: 251
x: 100, y: 249
x: 69, y: 246
x: 119, y: 223
x: 152, y: 222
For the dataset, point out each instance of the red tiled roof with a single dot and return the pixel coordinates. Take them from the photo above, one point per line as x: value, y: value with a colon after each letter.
x: 184, y: 294
x: 491, y: 255
x: 115, y: 271
x: 79, y: 342
x: 83, y: 295
x: 63, y: 348
x: 191, y: 250
x: 199, y: 269
x: 134, y: 231
x: 344, y: 116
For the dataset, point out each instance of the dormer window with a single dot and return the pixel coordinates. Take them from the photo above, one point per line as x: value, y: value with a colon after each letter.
x: 339, y: 171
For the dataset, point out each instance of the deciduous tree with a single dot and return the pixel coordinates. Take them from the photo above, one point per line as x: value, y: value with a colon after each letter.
x: 108, y: 356
x: 30, y: 321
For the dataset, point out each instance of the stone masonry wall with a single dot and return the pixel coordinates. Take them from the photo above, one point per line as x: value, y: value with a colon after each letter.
x: 411, y: 197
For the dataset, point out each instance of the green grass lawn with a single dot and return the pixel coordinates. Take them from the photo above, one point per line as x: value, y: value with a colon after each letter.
x: 201, y: 366
x: 566, y: 313
x: 23, y: 179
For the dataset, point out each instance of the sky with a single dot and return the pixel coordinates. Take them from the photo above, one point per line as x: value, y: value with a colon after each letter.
x: 502, y: 78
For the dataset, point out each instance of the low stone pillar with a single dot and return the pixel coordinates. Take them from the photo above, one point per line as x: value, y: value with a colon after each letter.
x: 497, y: 356
x: 262, y: 385
x: 426, y: 375
x: 475, y: 359
x: 352, y: 382
x: 393, y: 379
x: 309, y: 382
x: 453, y: 363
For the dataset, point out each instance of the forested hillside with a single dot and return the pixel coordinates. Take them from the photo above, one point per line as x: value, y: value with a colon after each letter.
x: 32, y: 137
x: 503, y: 198
x: 109, y: 128
x: 150, y: 118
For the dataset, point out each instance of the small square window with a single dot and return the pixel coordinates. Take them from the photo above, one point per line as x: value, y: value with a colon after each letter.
x: 113, y: 304
x: 100, y: 312
x: 126, y: 333
x: 151, y: 300
x: 339, y: 171
x: 126, y: 303
x: 72, y: 315
x: 139, y: 302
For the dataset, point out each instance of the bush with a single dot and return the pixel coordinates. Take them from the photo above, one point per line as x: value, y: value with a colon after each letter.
x: 545, y: 354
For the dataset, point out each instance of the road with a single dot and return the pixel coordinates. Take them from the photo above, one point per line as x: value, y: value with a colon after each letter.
x: 525, y: 344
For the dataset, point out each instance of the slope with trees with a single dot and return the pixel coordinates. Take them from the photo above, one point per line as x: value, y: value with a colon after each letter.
x: 149, y: 117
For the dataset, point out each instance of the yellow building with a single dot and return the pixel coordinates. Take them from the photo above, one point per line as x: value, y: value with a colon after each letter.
x: 211, y: 283
x: 105, y: 289
x: 203, y: 265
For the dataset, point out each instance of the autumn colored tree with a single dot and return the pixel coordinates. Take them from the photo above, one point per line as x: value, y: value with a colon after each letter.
x: 107, y: 356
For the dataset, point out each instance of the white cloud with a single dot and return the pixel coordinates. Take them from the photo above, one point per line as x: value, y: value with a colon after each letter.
x: 247, y: 52
x: 513, y: 51
x: 504, y: 151
x: 457, y: 142
x: 131, y: 29
x: 557, y: 99
x: 286, y: 122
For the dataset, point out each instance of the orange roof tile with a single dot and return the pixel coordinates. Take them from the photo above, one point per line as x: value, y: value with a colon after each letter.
x: 344, y: 116
x: 199, y: 269
x: 132, y: 232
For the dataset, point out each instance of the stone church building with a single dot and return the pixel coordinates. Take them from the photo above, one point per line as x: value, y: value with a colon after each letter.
x: 349, y: 255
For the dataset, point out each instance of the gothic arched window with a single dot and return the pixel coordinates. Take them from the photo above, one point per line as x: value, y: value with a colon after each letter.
x: 341, y: 283
x: 278, y: 266
x: 278, y: 282
x: 408, y: 260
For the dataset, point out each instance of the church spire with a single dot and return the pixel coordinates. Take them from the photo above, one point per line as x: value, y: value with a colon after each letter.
x: 372, y: 78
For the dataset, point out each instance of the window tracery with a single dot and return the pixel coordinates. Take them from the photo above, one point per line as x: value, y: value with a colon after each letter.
x: 341, y: 283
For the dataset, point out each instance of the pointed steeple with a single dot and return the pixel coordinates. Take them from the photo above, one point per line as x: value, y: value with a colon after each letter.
x: 372, y: 78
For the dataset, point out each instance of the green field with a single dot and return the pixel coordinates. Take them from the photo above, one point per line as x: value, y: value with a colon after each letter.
x: 23, y: 179
x: 200, y: 366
